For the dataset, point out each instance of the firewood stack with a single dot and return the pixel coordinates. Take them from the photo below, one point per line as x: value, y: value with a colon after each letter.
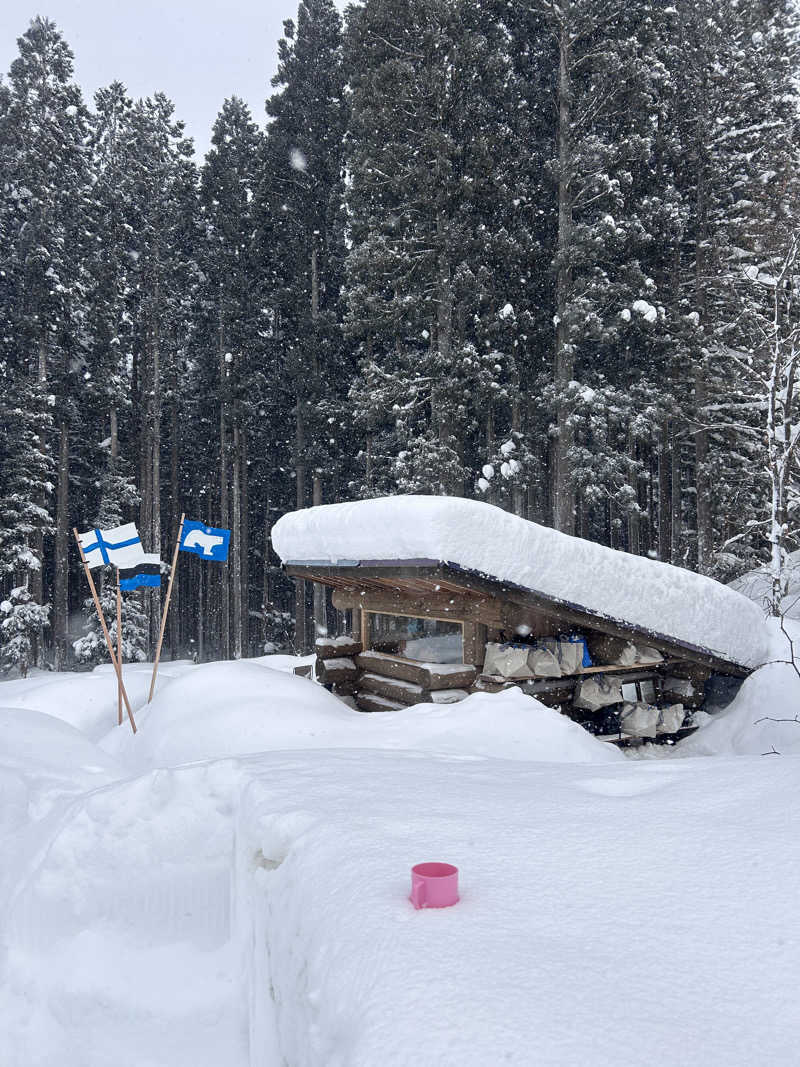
x: 336, y: 667
x: 389, y: 683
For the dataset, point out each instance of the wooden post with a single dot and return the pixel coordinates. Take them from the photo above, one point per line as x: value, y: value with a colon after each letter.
x: 106, y: 634
x: 119, y: 650
x: 166, y: 608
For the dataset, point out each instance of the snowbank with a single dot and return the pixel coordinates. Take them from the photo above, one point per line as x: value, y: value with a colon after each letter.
x: 645, y: 593
x: 239, y: 708
x: 751, y: 724
x: 42, y: 762
x: 86, y: 700
x: 157, y: 919
x: 226, y: 709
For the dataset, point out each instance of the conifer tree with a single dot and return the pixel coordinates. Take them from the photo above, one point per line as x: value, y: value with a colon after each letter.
x: 302, y: 229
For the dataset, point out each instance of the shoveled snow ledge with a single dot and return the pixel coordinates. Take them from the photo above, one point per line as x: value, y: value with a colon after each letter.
x: 644, y: 593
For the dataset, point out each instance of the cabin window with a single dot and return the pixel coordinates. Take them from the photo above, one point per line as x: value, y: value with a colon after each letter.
x: 424, y: 640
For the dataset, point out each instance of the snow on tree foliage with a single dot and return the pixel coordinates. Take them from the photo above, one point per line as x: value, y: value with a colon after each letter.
x: 91, y: 648
x: 21, y: 621
x: 465, y: 225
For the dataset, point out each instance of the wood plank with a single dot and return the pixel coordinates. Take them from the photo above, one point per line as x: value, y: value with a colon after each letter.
x: 426, y: 675
x: 336, y: 648
x: 453, y: 607
x: 336, y: 670
x: 372, y: 702
x: 408, y: 693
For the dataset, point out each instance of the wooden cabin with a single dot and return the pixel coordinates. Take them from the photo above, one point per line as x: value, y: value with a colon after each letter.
x: 426, y: 630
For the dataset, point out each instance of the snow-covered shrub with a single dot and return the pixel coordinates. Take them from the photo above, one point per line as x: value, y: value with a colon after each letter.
x: 91, y: 649
x: 21, y: 620
x: 278, y: 630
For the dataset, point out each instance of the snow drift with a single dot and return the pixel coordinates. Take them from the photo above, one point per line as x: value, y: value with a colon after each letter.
x: 241, y: 708
x: 644, y: 593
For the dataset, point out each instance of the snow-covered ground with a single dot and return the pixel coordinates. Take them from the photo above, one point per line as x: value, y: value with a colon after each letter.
x: 230, y: 886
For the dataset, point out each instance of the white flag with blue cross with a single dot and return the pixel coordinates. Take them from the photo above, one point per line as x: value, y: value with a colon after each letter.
x: 119, y: 547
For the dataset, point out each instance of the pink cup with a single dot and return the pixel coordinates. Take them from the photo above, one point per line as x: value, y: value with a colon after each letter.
x: 434, y: 885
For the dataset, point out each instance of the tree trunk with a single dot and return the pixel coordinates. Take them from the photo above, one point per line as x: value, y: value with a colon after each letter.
x: 61, y: 581
x: 225, y: 607
x: 244, y: 539
x: 517, y: 491
x: 320, y: 610
x: 444, y: 334
x: 176, y: 615
x: 634, y: 519
x: 702, y: 481
x: 564, y: 363
x: 300, y: 632
x: 236, y: 491
x: 155, y: 527
x: 664, y: 494
x: 676, y: 515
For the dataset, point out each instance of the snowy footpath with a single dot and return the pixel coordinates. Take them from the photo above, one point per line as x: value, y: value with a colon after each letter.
x: 231, y: 886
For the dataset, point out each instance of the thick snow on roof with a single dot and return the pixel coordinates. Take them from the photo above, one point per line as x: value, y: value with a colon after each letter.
x: 643, y: 593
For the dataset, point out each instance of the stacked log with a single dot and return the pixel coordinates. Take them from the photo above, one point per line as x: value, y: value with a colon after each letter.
x: 389, y: 683
x: 336, y: 668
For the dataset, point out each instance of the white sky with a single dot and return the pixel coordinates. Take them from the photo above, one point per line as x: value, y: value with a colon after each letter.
x: 196, y: 51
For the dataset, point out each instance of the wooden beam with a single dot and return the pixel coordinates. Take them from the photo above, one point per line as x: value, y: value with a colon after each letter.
x: 562, y: 613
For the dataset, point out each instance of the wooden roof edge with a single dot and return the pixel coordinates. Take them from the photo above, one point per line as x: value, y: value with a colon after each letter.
x: 475, y: 580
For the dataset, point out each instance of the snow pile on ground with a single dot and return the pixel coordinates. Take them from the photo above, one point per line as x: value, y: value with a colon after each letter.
x: 237, y: 708
x: 86, y: 700
x: 253, y: 911
x: 42, y: 761
x: 229, y: 708
x: 632, y: 914
x: 764, y: 717
x: 117, y: 930
x: 656, y: 597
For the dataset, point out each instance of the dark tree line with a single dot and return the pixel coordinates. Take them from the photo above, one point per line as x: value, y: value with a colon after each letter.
x: 523, y: 252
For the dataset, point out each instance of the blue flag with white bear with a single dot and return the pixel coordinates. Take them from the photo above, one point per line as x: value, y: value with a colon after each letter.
x: 205, y: 541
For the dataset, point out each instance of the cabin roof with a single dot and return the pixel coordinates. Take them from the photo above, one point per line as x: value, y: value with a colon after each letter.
x: 412, y: 544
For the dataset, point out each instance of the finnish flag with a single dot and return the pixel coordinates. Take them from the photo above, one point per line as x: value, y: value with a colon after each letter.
x: 119, y: 547
x: 206, y: 541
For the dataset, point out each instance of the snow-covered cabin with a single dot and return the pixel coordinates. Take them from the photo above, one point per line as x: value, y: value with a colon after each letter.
x: 445, y: 596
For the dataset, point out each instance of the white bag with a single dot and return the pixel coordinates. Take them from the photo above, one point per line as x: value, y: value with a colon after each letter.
x: 543, y: 659
x: 507, y: 661
x: 597, y: 692
x: 639, y: 720
x: 680, y: 686
x: 628, y: 656
x: 645, y: 654
x: 670, y: 719
x: 492, y: 651
x: 570, y: 655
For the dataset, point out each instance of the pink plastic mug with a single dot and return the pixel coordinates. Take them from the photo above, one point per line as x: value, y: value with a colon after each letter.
x: 434, y: 885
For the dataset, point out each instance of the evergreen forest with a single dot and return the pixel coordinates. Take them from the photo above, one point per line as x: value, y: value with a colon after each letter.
x: 539, y: 253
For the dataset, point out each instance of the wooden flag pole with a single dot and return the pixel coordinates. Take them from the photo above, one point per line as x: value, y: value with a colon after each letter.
x: 166, y: 609
x: 119, y: 650
x: 106, y: 634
